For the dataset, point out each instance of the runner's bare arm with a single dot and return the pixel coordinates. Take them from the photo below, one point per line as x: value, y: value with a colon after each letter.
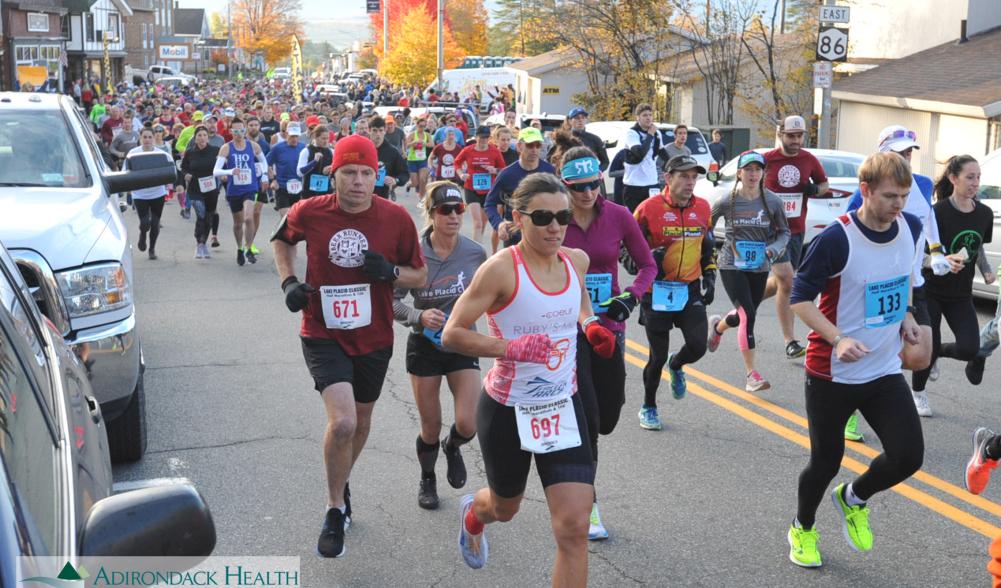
x: 492, y: 286
x: 411, y: 277
x: 284, y: 258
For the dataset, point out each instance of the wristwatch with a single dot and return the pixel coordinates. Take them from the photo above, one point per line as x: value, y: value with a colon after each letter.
x: 396, y: 272
x: 836, y: 340
x: 913, y: 310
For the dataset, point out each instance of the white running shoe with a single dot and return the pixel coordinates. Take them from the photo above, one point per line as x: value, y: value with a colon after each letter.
x: 921, y: 403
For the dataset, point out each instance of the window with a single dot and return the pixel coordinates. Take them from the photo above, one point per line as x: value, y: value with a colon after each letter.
x: 157, y: 16
x: 38, y: 22
x: 113, y: 26
x: 27, y: 443
x: 88, y: 26
x: 64, y: 26
x: 144, y: 35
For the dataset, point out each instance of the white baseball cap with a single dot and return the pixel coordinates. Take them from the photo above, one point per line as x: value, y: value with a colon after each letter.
x: 794, y: 124
x: 897, y: 138
x: 293, y: 130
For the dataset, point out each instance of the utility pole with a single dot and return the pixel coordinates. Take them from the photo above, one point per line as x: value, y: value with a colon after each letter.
x: 441, y: 44
x: 824, y: 132
x: 385, y: 28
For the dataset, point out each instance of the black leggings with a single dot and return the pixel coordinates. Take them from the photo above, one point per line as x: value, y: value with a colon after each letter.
x: 601, y: 385
x: 149, y: 217
x: 962, y: 319
x: 745, y: 289
x: 215, y: 224
x: 694, y: 328
x: 204, y: 205
x: 887, y: 406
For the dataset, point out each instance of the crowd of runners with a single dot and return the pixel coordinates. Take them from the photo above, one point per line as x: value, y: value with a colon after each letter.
x: 872, y: 288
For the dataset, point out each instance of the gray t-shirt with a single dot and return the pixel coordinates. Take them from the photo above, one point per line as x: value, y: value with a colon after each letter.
x: 124, y: 142
x: 749, y: 227
x: 447, y: 279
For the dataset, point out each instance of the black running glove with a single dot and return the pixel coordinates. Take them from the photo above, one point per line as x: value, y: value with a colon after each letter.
x: 708, y: 287
x: 810, y: 190
x: 296, y: 293
x: 379, y: 268
x: 619, y: 307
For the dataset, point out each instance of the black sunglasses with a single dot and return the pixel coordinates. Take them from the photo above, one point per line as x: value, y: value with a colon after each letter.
x: 543, y: 218
x: 584, y: 186
x: 447, y: 209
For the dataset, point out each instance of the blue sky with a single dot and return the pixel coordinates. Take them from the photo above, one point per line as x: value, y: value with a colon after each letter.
x: 346, y: 8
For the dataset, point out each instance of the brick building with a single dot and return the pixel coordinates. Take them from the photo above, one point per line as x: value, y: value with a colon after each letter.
x: 34, y: 32
x: 140, y: 34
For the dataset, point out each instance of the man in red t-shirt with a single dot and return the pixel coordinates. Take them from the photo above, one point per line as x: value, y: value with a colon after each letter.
x: 358, y: 248
x: 789, y: 173
x: 478, y: 165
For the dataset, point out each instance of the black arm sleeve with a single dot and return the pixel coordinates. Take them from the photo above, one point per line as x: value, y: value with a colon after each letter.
x: 708, y: 259
x: 636, y: 153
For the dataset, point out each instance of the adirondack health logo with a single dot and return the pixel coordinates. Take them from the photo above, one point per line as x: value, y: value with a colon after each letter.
x: 68, y: 576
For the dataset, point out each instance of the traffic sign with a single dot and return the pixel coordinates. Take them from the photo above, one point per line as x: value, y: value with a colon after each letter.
x: 832, y: 44
x: 371, y: 6
x: 823, y: 74
x: 835, y: 14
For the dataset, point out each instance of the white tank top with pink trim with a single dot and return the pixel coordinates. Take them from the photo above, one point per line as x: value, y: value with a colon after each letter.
x: 532, y: 310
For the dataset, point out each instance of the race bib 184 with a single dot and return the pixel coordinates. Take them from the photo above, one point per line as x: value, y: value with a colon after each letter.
x: 792, y: 204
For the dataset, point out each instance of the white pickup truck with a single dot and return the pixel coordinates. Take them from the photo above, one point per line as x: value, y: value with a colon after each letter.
x: 63, y: 228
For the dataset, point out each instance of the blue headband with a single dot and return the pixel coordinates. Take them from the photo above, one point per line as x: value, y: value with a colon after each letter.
x: 585, y: 167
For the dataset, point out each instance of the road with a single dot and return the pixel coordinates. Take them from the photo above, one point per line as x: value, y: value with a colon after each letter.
x: 705, y: 502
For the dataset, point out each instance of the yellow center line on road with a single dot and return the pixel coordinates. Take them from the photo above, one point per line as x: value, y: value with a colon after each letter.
x: 792, y: 417
x: 936, y: 505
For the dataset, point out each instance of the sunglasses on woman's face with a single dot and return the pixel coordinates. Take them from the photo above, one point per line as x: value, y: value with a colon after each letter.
x: 447, y: 209
x: 544, y: 218
x: 583, y: 186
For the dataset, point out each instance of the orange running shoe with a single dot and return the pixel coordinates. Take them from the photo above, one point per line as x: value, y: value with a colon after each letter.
x: 978, y: 469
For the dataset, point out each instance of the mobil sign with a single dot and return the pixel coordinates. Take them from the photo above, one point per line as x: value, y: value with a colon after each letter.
x: 173, y: 52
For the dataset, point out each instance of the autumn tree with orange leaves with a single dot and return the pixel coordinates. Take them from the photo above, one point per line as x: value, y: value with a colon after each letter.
x: 465, y: 23
x: 266, y: 26
x: 413, y: 49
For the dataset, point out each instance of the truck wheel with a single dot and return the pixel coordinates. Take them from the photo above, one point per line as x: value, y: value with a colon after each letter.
x: 127, y: 433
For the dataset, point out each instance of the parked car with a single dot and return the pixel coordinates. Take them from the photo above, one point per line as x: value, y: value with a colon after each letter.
x: 175, y: 81
x: 990, y: 194
x: 56, y: 492
x: 63, y: 227
x: 155, y: 72
x: 841, y: 168
x: 613, y: 134
x: 282, y: 73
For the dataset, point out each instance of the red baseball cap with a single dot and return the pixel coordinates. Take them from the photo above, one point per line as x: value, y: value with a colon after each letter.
x: 312, y: 120
x: 357, y: 150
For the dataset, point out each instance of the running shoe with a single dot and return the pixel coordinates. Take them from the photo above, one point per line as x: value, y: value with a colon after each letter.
x: 851, y: 429
x: 251, y: 257
x: 678, y: 385
x: 933, y: 373
x: 254, y: 249
x: 794, y: 350
x: 185, y: 214
x: 803, y: 546
x: 921, y: 403
x: 473, y: 548
x: 215, y: 241
x: 649, y: 419
x: 756, y: 383
x: 240, y: 258
x: 456, y: 473
x: 331, y: 542
x: 142, y: 240
x: 978, y: 469
x: 198, y: 252
x: 714, y: 336
x: 205, y: 252
x: 596, y: 531
x: 427, y: 496
x: 855, y: 520
x: 152, y: 255
x: 975, y: 369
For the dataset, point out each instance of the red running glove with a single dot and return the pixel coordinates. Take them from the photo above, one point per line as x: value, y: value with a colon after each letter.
x: 533, y: 348
x: 601, y: 339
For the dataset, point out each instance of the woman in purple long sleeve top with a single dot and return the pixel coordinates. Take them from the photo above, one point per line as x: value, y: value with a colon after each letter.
x: 600, y: 227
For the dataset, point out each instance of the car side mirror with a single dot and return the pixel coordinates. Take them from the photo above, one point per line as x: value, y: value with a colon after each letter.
x: 163, y: 520
x: 145, y: 171
x: 611, y: 144
x: 713, y: 177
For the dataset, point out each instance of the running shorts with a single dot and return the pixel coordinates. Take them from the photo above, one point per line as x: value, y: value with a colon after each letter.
x: 328, y: 364
x: 414, y: 166
x: 236, y: 202
x: 426, y: 360
x: 285, y: 200
x: 473, y: 198
x: 507, y: 465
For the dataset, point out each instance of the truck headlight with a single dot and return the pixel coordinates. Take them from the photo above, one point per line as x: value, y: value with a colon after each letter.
x: 95, y: 289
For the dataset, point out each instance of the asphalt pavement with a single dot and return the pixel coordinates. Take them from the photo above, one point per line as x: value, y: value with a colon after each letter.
x: 705, y: 502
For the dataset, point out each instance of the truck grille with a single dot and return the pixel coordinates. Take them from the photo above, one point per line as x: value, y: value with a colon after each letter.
x: 42, y: 283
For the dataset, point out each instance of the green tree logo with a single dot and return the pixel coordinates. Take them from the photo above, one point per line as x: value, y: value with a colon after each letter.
x: 68, y: 576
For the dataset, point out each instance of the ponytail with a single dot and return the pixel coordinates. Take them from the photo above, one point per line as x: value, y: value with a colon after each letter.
x: 953, y: 167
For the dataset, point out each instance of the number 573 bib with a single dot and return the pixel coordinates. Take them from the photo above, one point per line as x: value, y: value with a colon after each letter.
x: 549, y: 427
x: 347, y: 307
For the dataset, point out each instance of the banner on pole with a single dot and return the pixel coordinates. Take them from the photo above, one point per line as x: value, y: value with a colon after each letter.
x: 297, y: 69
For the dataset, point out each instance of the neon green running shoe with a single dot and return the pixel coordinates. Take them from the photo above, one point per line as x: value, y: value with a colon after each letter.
x: 254, y: 249
x: 855, y: 520
x: 851, y: 429
x: 803, y: 547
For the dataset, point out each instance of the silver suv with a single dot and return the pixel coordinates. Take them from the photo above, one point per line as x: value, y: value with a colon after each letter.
x: 63, y: 227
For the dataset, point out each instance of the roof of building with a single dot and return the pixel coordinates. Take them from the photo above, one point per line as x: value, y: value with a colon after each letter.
x: 952, y: 78
x: 189, y: 21
x: 547, y: 61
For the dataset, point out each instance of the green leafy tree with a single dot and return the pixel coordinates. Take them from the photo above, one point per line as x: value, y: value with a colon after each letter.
x: 514, y: 24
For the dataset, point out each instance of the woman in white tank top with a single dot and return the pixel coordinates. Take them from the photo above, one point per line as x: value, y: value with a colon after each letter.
x: 534, y: 299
